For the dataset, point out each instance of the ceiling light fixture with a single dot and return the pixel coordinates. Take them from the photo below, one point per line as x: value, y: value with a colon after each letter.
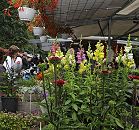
x: 130, y: 8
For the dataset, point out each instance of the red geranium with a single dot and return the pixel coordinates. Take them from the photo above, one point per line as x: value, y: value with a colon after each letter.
x: 54, y: 59
x: 60, y: 82
x: 133, y: 77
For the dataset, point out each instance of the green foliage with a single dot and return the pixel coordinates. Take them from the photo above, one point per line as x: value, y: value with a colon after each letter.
x: 93, y: 100
x: 12, y: 121
x: 6, y: 86
x: 134, y: 72
x: 13, y: 31
x: 27, y: 83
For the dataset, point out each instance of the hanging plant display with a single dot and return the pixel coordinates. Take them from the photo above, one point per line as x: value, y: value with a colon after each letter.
x: 36, y: 22
x: 41, y: 5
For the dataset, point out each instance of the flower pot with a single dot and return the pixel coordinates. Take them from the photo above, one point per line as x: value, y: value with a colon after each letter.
x: 26, y: 14
x: 43, y: 38
x: 9, y: 104
x: 130, y: 56
x: 64, y: 36
x: 37, y: 31
x: 25, y: 107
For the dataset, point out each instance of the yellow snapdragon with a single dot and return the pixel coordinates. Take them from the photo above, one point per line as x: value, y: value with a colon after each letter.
x: 99, y: 52
x: 82, y: 67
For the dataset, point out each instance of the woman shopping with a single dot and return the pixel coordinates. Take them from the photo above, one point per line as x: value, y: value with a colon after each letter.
x: 13, y: 62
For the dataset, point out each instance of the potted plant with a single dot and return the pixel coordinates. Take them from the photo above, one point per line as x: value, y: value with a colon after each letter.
x: 30, y: 94
x: 26, y: 8
x: 26, y: 13
x: 9, y: 96
x: 36, y: 25
x: 43, y: 38
x: 40, y: 5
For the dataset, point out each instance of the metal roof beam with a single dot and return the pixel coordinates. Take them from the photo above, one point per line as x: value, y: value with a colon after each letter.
x: 106, y: 25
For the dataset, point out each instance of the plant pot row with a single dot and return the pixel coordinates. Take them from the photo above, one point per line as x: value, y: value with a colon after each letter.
x: 11, y: 104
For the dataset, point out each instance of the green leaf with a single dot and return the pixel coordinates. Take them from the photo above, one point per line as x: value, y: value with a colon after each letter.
x: 67, y: 102
x: 83, y: 106
x: 78, y: 100
x: 75, y: 107
x: 74, y: 116
x: 72, y: 95
x: 119, y: 124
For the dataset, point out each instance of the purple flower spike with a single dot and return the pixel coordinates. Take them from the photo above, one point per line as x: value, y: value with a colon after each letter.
x: 80, y: 56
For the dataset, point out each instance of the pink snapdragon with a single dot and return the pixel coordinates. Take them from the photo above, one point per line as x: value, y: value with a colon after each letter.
x: 80, y: 55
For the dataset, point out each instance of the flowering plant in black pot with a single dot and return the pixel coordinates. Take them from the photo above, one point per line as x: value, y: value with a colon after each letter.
x: 9, y: 95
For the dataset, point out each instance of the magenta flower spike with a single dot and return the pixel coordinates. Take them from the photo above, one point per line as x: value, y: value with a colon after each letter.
x: 80, y: 56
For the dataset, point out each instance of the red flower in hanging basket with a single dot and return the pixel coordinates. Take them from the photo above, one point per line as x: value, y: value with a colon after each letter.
x: 7, y: 12
x: 37, y: 4
x: 54, y: 59
x: 59, y: 82
x: 52, y: 5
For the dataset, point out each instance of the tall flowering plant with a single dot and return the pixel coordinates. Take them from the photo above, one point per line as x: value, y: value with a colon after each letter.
x: 85, y: 98
x: 99, y: 53
x: 53, y: 84
x: 128, y: 46
x: 81, y: 60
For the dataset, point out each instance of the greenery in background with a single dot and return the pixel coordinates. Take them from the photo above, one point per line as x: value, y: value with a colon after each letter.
x: 27, y: 83
x: 134, y: 72
x: 8, y: 87
x: 18, y: 121
x: 13, y: 30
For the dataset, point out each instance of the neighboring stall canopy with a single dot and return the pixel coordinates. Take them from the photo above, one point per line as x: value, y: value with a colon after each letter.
x: 90, y: 17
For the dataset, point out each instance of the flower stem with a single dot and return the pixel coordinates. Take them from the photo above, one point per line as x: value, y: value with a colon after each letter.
x: 44, y: 90
x: 55, y: 78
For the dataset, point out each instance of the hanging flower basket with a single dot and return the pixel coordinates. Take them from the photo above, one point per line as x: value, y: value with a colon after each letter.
x: 64, y: 35
x: 43, y: 38
x: 26, y: 13
x: 37, y: 31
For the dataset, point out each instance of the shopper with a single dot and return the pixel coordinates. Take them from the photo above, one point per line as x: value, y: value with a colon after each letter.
x: 2, y: 68
x: 13, y: 62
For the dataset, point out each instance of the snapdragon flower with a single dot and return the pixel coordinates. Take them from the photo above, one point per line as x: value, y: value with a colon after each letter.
x: 80, y: 55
